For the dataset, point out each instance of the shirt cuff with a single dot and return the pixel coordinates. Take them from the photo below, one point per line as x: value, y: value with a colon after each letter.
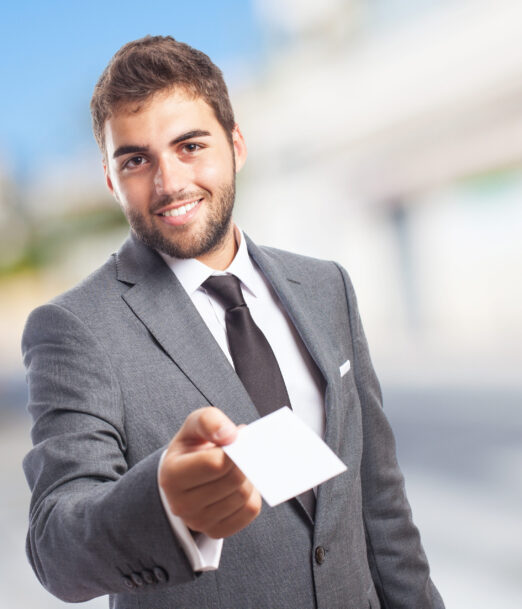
x: 202, y: 551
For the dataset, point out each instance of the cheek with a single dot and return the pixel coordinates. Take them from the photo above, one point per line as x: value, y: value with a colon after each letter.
x: 214, y: 173
x: 131, y: 194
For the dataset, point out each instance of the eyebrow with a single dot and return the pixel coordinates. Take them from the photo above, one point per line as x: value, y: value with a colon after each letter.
x: 129, y: 149
x: 189, y: 135
x: 142, y: 149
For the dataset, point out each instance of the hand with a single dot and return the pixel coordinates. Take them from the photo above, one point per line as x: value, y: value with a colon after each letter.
x: 202, y: 484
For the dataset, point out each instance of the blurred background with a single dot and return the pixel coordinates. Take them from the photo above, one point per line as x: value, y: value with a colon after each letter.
x: 385, y: 134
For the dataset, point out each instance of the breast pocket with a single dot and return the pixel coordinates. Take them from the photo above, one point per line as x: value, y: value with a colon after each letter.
x: 347, y: 385
x: 344, y: 368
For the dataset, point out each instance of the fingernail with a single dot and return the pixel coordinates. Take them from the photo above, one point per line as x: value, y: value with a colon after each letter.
x: 224, y: 432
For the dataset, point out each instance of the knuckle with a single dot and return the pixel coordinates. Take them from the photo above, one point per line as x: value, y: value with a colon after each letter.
x: 206, y: 414
x: 237, y: 477
x: 213, y: 462
x: 251, y: 509
x: 209, y: 418
x: 253, y: 505
x: 244, y: 492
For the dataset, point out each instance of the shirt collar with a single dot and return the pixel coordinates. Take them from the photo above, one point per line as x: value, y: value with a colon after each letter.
x: 191, y: 273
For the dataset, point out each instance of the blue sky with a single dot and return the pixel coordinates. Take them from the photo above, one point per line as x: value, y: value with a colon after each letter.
x: 51, y: 54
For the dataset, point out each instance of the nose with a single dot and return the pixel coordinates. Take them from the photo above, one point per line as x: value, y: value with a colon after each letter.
x: 172, y: 176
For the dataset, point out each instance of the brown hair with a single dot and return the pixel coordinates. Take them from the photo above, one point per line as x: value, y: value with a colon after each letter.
x: 152, y: 64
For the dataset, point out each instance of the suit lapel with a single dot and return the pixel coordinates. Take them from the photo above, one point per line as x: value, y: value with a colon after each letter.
x: 292, y: 290
x: 157, y: 298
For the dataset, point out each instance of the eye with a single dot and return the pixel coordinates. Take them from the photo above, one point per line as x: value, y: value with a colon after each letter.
x: 192, y: 147
x: 134, y: 161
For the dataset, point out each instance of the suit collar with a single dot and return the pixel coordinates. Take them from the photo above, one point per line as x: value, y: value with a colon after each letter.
x: 135, y: 261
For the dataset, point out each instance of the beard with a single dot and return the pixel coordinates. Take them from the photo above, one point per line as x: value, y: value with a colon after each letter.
x: 185, y: 242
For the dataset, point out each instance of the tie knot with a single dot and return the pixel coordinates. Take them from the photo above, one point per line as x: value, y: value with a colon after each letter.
x: 226, y: 289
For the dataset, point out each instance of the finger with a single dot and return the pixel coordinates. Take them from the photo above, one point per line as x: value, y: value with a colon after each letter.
x: 209, y: 519
x: 205, y: 495
x: 205, y: 425
x: 237, y: 519
x: 235, y: 510
x: 188, y: 470
x: 229, y: 503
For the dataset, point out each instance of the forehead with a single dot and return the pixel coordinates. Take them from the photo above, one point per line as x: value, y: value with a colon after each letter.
x: 170, y: 96
x: 163, y: 114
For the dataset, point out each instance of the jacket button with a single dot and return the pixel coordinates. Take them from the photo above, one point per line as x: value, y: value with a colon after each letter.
x: 148, y: 576
x: 160, y: 574
x: 320, y: 554
x: 137, y: 579
x: 128, y: 582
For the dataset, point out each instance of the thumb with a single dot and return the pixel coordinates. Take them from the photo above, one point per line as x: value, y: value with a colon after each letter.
x: 205, y: 425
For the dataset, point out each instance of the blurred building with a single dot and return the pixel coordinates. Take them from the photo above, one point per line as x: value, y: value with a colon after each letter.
x: 388, y: 135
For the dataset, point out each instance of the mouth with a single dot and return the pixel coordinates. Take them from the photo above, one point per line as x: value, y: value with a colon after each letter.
x: 180, y: 214
x: 180, y: 210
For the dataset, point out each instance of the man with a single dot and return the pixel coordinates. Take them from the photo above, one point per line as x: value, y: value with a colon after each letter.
x: 139, y: 375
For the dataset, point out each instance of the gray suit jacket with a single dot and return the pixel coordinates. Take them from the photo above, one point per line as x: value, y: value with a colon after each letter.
x: 114, y: 367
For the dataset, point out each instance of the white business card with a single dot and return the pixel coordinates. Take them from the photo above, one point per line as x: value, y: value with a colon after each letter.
x: 282, y: 456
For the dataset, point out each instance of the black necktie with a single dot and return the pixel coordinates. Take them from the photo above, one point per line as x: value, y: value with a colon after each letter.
x: 254, y: 360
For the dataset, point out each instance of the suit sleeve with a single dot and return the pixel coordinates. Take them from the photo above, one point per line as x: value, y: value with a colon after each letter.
x: 96, y: 526
x: 397, y: 561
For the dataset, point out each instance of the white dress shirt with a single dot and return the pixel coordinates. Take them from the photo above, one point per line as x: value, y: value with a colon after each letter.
x: 302, y: 379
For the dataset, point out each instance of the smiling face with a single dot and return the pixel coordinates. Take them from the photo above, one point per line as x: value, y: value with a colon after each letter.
x: 171, y: 167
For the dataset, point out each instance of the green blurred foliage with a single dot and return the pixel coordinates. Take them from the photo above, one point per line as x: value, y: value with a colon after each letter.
x: 45, y: 241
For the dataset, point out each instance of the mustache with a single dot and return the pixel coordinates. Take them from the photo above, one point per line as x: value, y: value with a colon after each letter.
x: 177, y: 198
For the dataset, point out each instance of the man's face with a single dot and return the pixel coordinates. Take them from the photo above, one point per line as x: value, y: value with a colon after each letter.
x: 172, y: 168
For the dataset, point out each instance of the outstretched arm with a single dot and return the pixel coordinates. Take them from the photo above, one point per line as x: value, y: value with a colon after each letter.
x: 97, y: 526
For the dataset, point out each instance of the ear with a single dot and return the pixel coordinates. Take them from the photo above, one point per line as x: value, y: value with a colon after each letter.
x: 108, y: 180
x: 239, y: 146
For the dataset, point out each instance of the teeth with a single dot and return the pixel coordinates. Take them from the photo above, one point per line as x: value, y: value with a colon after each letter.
x: 180, y: 211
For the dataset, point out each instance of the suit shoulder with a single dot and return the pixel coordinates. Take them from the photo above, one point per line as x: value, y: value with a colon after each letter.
x: 299, y: 263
